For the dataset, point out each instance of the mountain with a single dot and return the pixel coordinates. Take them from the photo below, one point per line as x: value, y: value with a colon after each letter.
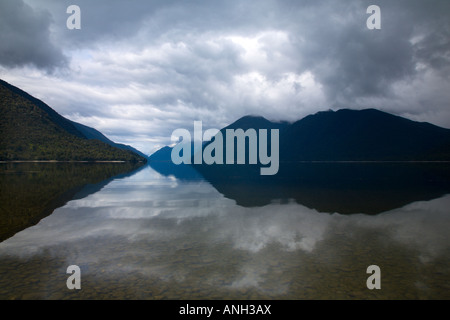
x: 349, y: 135
x: 31, y: 130
x: 363, y: 135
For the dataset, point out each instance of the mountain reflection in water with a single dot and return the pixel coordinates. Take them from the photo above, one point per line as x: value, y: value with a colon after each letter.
x: 342, y: 187
x: 151, y: 236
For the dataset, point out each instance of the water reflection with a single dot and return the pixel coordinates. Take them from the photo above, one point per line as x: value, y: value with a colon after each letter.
x: 155, y: 237
x: 342, y: 187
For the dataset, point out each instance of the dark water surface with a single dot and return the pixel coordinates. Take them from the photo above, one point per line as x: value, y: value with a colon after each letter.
x: 139, y: 234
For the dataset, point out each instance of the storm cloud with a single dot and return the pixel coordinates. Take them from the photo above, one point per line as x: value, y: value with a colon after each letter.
x: 25, y: 37
x: 138, y: 70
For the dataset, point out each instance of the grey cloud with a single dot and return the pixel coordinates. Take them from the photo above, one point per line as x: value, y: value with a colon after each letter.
x: 433, y: 49
x: 346, y: 58
x: 145, y: 22
x: 350, y: 60
x: 25, y: 37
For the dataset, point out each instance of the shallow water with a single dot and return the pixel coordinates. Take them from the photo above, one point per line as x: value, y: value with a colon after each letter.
x: 149, y: 236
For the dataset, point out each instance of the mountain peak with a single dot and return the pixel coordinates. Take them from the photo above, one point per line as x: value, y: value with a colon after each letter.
x: 255, y: 122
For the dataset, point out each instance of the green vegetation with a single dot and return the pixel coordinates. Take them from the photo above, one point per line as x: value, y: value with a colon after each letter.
x: 30, y: 130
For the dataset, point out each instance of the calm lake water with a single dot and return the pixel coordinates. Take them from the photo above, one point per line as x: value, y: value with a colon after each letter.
x: 146, y: 235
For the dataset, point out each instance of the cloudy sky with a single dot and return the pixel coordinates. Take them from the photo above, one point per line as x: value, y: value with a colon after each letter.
x: 137, y: 70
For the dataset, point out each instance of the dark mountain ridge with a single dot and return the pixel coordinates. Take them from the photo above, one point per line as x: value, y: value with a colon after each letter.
x: 363, y: 135
x: 349, y: 135
x: 31, y: 130
x: 55, y: 117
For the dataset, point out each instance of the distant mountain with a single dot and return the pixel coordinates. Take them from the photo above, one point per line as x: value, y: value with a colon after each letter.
x: 161, y: 155
x: 31, y: 130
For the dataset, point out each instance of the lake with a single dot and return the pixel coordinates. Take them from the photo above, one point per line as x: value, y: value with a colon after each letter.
x: 143, y: 233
